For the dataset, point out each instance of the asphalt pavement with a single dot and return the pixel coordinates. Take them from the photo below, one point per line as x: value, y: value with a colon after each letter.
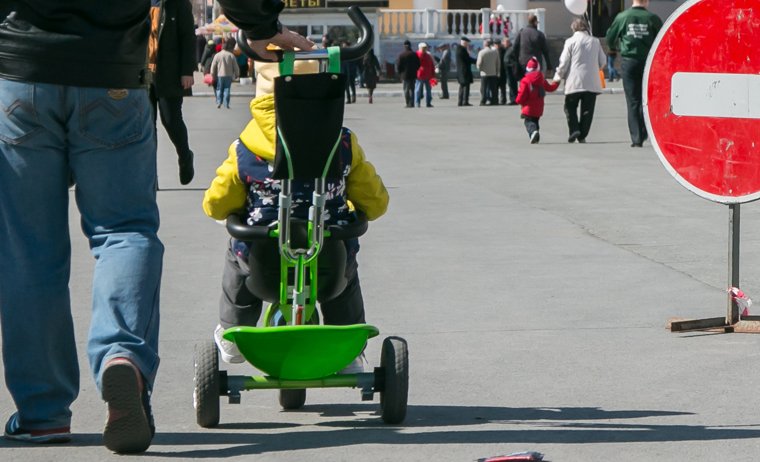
x: 533, y: 284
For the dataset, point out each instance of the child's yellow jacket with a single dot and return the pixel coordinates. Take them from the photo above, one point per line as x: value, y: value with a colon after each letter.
x: 227, y: 194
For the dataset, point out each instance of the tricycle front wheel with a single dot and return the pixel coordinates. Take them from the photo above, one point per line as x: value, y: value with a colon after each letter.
x: 292, y: 399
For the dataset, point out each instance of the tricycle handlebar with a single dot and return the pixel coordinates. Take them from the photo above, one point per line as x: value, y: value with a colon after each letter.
x: 351, y: 53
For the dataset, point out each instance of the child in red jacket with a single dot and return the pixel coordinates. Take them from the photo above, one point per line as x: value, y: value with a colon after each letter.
x: 530, y: 96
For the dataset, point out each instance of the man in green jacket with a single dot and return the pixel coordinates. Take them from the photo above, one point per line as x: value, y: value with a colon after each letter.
x: 632, y: 33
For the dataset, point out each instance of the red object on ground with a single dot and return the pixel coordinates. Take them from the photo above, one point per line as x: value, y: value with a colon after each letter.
x: 528, y: 456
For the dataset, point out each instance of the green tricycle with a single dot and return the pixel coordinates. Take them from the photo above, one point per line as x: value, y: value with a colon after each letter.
x: 292, y: 348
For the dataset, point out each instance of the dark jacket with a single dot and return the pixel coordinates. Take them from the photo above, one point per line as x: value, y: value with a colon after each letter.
x: 509, y: 59
x: 98, y: 44
x: 445, y: 63
x: 502, y: 63
x: 407, y: 64
x: 370, y: 70
x: 532, y: 42
x: 208, y: 57
x: 464, y: 66
x: 176, y: 48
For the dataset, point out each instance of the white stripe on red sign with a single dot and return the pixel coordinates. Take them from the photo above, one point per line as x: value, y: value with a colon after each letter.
x: 704, y: 94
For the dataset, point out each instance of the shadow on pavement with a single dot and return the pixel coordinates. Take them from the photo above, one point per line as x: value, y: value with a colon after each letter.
x: 569, y: 425
x: 521, y: 425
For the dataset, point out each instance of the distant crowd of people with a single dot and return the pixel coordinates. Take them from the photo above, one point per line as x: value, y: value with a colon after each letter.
x: 516, y: 72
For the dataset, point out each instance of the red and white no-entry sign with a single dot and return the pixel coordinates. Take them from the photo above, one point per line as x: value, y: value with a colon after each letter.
x: 702, y: 98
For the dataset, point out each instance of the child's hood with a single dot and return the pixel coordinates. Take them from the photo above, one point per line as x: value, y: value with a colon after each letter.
x: 259, y: 134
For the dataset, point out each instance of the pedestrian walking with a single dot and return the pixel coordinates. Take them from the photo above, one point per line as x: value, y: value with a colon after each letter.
x: 443, y: 68
x: 612, y: 72
x: 579, y: 65
x: 488, y: 64
x: 86, y: 123
x: 633, y: 32
x: 208, y: 57
x: 407, y: 65
x: 171, y: 58
x: 530, y: 96
x: 464, y: 71
x: 531, y: 42
x: 349, y: 69
x: 425, y: 73
x: 224, y: 69
x: 371, y: 71
x: 509, y: 64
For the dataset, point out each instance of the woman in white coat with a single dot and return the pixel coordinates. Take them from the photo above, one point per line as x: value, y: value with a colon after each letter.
x: 579, y: 65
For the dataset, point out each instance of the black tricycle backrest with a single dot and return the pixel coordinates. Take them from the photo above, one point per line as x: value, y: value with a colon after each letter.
x: 309, y: 114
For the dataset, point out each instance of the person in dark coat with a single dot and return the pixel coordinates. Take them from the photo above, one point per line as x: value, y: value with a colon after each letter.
x: 531, y: 42
x: 370, y: 72
x: 208, y: 56
x: 443, y: 67
x: 172, y: 60
x: 464, y: 71
x: 350, y: 69
x: 407, y: 64
x: 200, y: 47
x: 509, y: 65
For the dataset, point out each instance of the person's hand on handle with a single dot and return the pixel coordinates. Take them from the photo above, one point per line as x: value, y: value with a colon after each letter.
x: 285, y: 39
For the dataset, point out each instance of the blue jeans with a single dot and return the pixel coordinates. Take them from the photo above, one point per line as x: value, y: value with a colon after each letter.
x: 612, y: 73
x: 105, y: 141
x: 223, y: 85
x: 418, y: 86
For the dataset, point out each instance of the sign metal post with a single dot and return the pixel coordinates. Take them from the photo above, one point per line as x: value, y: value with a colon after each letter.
x: 702, y: 112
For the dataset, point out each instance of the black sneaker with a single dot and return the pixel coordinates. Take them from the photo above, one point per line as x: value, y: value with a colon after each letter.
x: 129, y: 428
x: 535, y: 137
x: 573, y: 136
x: 14, y: 432
x: 186, y: 171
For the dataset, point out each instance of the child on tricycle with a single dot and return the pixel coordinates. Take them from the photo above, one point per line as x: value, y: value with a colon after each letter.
x: 243, y: 184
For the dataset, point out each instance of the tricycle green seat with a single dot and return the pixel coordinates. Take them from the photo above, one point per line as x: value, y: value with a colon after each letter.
x: 302, y: 352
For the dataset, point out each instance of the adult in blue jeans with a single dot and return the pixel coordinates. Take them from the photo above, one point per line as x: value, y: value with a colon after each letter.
x: 425, y: 73
x: 612, y: 73
x: 225, y: 69
x: 94, y: 129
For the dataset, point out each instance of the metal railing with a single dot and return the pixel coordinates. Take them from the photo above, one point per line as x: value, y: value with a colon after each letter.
x: 437, y: 23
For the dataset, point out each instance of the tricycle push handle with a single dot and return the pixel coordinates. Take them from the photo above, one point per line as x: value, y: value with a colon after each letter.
x: 351, y: 53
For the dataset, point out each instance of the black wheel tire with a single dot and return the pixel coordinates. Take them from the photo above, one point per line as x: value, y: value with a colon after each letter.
x: 291, y: 399
x: 394, y: 360
x: 206, y: 381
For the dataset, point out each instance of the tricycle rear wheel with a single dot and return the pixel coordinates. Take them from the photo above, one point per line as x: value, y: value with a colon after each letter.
x: 206, y: 385
x: 394, y: 361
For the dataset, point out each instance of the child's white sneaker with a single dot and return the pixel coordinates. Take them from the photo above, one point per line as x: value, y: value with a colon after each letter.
x: 228, y: 350
x: 356, y: 366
